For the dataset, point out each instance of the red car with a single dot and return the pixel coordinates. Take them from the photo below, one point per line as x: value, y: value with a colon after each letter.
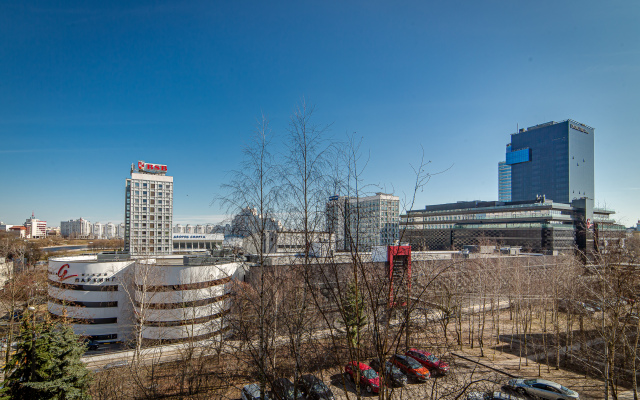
x: 369, y: 379
x: 410, y: 367
x: 433, y: 363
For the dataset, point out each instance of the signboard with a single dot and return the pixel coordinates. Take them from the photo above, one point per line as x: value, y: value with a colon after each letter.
x: 579, y: 128
x: 207, y: 236
x: 97, y: 277
x: 147, y: 167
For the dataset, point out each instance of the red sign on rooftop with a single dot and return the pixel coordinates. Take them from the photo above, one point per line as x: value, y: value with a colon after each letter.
x: 155, y: 168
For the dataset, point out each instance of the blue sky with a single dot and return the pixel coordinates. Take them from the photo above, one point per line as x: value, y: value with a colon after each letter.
x: 87, y: 89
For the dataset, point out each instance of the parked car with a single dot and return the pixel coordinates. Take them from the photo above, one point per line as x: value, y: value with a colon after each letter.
x: 283, y: 390
x: 491, y: 396
x: 392, y: 373
x: 252, y: 392
x: 410, y: 367
x: 117, y: 364
x: 368, y: 377
x: 630, y: 318
x: 542, y: 388
x: 433, y: 363
x: 314, y: 388
x: 577, y: 307
x: 90, y: 344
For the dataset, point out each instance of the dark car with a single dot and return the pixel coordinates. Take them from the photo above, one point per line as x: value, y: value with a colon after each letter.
x: 433, y: 363
x: 368, y: 377
x: 92, y: 345
x: 283, y: 390
x: 314, y: 388
x: 392, y: 374
x: 410, y: 367
x: 252, y: 392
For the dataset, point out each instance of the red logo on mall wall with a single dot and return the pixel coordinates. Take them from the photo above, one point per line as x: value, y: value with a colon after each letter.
x: 146, y: 167
x: 62, y: 273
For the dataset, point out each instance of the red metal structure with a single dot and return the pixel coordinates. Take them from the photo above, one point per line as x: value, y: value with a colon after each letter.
x: 399, y: 262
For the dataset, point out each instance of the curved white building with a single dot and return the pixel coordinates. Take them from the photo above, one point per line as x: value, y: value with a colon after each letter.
x: 88, y: 291
x: 180, y: 298
x: 110, y: 297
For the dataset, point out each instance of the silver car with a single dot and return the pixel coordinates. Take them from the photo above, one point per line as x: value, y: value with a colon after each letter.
x: 491, y: 396
x: 252, y: 392
x: 543, y: 389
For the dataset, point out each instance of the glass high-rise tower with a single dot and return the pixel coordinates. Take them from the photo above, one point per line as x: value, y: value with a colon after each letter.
x: 554, y: 159
x: 504, y: 181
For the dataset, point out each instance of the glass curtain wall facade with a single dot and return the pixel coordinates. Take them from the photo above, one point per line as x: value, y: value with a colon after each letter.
x: 504, y: 181
x: 554, y: 160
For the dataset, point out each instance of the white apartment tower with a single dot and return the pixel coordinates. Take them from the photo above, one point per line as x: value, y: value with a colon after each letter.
x: 363, y: 222
x: 148, y: 210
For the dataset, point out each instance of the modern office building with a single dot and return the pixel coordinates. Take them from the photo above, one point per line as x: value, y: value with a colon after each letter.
x: 504, y: 181
x: 363, y: 222
x: 554, y: 159
x: 540, y: 225
x: 148, y: 210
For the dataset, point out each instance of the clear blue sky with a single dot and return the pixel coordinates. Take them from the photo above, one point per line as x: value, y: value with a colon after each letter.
x: 87, y: 89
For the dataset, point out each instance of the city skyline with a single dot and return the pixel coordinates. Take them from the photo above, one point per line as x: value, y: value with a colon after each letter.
x: 90, y: 89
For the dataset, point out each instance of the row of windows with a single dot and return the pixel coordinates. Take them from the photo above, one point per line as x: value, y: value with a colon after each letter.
x: 151, y: 201
x: 167, y: 210
x: 87, y: 304
x: 88, y: 321
x: 185, y: 286
x: 185, y: 304
x: 183, y: 322
x: 138, y: 232
x: 152, y: 185
x: 144, y: 193
x: 89, y: 288
x: 151, y: 225
x: 144, y: 249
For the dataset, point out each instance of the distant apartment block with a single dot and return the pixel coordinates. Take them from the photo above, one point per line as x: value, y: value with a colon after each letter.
x: 76, y: 228
x: 363, y: 222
